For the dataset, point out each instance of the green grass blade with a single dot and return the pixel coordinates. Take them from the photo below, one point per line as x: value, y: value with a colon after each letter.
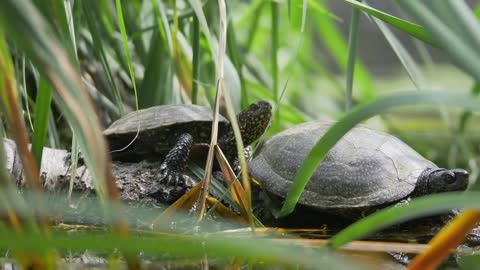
x: 412, y: 29
x: 196, y: 59
x: 123, y: 30
x: 251, y: 13
x: 162, y: 24
x: 253, y: 20
x: 31, y: 32
x: 352, y: 55
x: 132, y: 19
x: 405, y: 58
x: 156, y: 87
x: 197, y: 8
x: 337, y: 46
x: 321, y: 10
x: 231, y: 79
x: 463, y: 20
x: 42, y: 110
x: 53, y: 137
x: 419, y: 207
x: 464, y: 53
x: 23, y: 88
x: 91, y: 13
x: 357, y: 115
x: 299, y: 17
x: 55, y: 11
x: 297, y: 11
x: 274, y: 5
x: 71, y: 26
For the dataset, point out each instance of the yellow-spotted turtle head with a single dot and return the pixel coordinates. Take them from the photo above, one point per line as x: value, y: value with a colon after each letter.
x: 253, y: 121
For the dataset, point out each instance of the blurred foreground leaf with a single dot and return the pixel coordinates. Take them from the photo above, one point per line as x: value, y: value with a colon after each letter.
x: 419, y: 207
x: 412, y: 29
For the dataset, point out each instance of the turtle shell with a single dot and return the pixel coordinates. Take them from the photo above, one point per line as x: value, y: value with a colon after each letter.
x: 365, y: 169
x: 159, y: 127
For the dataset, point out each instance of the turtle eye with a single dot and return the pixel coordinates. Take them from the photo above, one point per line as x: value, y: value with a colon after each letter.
x: 450, y: 179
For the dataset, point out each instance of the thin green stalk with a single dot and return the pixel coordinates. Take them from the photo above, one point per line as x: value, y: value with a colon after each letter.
x: 253, y: 29
x: 94, y: 28
x: 196, y: 58
x: 334, y: 42
x: 274, y: 51
x: 25, y: 94
x: 123, y: 30
x: 53, y: 137
x: 352, y: 53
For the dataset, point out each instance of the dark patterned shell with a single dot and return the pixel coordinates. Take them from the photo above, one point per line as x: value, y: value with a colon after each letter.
x: 159, y: 127
x: 366, y: 168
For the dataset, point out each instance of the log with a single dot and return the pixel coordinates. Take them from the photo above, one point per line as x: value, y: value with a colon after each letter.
x: 133, y: 179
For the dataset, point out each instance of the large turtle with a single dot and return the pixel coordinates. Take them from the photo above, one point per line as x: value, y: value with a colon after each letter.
x: 170, y: 131
x: 364, y: 171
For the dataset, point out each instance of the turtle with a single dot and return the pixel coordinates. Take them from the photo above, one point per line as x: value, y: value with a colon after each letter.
x: 170, y: 132
x: 365, y: 171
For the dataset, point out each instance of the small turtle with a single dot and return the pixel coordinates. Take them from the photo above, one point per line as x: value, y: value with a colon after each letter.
x: 170, y: 131
x: 364, y: 171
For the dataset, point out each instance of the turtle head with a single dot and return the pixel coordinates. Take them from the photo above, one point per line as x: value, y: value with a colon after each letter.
x: 436, y: 180
x: 254, y: 120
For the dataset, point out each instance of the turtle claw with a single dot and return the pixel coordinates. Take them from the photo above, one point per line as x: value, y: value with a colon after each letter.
x: 174, y: 178
x: 173, y: 184
x: 169, y: 177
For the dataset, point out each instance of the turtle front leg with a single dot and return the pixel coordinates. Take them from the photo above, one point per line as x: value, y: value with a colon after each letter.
x: 173, y: 167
